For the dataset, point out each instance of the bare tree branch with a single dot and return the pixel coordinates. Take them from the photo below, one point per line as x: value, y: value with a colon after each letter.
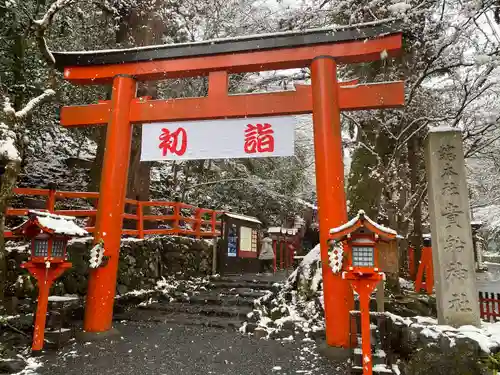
x: 28, y: 108
x: 44, y: 23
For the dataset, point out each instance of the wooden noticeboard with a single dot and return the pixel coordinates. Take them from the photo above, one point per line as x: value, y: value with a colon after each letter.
x: 388, y: 256
x: 239, y: 249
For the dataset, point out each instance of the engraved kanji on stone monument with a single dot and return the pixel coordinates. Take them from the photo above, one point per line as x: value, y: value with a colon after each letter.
x: 459, y: 302
x: 456, y: 270
x: 453, y: 243
x: 452, y: 213
x: 452, y: 249
x: 450, y: 188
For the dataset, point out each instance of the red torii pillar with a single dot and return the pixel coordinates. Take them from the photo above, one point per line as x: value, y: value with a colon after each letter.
x: 109, y: 222
x: 330, y: 189
x: 325, y: 99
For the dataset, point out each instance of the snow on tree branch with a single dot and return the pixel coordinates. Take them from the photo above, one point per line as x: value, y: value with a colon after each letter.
x: 8, y: 149
x: 57, y: 6
x: 20, y: 115
x: 43, y: 24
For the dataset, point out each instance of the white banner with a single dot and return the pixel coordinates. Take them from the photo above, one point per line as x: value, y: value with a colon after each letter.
x: 219, y: 139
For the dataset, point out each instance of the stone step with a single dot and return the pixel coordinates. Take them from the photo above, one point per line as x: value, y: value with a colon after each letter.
x: 209, y: 310
x: 215, y: 299
x: 181, y: 319
x: 230, y: 285
x: 273, y: 278
x: 374, y: 343
x: 378, y: 357
x: 247, y: 293
x: 377, y: 369
x: 241, y: 292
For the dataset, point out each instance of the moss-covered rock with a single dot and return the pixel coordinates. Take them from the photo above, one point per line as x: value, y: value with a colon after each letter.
x: 462, y: 359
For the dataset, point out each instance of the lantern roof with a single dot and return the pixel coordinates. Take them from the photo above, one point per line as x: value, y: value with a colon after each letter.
x: 359, y: 221
x: 51, y: 224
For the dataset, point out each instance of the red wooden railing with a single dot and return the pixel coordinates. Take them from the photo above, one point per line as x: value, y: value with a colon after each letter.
x: 489, y: 306
x: 203, y: 222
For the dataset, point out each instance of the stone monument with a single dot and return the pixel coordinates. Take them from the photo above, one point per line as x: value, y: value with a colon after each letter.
x: 452, y: 247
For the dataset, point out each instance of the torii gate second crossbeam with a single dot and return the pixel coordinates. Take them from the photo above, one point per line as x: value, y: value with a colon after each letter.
x: 321, y: 50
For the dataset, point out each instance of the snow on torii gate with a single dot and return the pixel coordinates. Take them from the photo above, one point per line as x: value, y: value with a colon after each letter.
x: 320, y: 50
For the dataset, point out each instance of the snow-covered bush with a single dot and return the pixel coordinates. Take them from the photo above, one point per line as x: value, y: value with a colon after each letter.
x: 298, y: 305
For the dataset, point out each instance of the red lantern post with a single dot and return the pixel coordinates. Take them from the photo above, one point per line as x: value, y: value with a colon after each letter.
x: 49, y: 235
x: 360, y: 267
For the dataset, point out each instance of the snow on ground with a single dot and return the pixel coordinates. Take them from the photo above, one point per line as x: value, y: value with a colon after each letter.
x: 167, y: 285
x: 32, y: 364
x: 406, y: 284
x: 65, y: 298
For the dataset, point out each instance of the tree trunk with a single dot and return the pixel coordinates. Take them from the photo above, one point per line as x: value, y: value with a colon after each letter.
x: 141, y: 27
x: 7, y: 182
x: 403, y: 221
x: 12, y: 168
x: 364, y: 191
x: 96, y: 169
x: 139, y: 178
x: 414, y: 165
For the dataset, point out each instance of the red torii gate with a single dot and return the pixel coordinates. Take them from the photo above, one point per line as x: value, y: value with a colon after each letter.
x: 320, y: 50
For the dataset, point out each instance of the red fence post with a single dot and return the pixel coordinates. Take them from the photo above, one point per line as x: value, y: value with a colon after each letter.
x: 481, y: 306
x: 140, y: 220
x: 177, y: 214
x: 214, y: 223
x: 197, y: 223
x: 51, y: 200
x: 489, y: 306
x: 275, y: 254
x: 282, y: 263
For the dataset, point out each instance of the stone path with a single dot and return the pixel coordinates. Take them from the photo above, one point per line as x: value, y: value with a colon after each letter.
x: 153, y: 348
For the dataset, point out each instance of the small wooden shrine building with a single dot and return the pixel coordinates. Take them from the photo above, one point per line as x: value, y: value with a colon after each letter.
x: 239, y: 249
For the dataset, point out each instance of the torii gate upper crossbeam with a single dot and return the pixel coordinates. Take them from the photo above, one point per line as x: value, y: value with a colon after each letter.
x: 235, y: 55
x: 373, y: 96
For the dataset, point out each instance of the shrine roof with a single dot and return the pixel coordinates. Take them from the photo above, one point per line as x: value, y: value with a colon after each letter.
x: 52, y: 223
x: 242, y: 217
x: 259, y: 42
x: 361, y: 220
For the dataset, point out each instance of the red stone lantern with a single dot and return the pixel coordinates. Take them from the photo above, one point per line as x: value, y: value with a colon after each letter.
x: 49, y: 235
x: 355, y: 253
